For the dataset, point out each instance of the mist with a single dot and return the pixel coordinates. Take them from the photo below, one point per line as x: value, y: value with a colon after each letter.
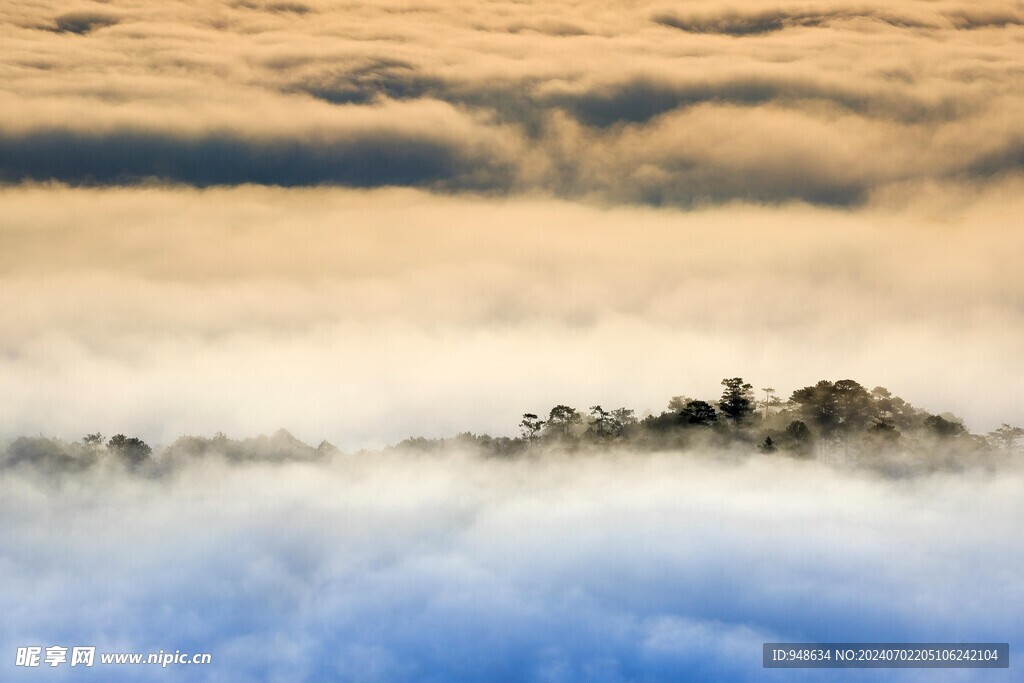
x: 611, y: 566
x: 361, y: 222
x: 293, y: 214
x: 364, y: 317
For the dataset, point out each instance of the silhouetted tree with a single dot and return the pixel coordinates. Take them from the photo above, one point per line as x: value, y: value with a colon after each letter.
x: 664, y: 422
x: 1007, y: 436
x: 817, y: 405
x: 883, y: 433
x: 943, y: 428
x: 767, y: 446
x: 836, y: 409
x: 893, y: 409
x: 769, y: 394
x: 601, y: 423
x: 561, y: 421
x: 605, y: 424
x: 625, y: 417
x: 93, y: 440
x: 699, y: 413
x: 132, y: 450
x: 40, y: 452
x: 855, y: 406
x: 798, y: 439
x: 677, y: 403
x: 530, y: 426
x: 737, y: 402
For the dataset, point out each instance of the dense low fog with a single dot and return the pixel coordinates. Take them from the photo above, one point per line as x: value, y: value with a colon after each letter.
x: 298, y: 564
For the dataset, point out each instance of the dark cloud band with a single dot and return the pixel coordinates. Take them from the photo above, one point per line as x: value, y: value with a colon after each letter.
x: 130, y: 156
x: 637, y: 105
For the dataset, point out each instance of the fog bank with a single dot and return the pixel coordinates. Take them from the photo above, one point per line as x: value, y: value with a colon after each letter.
x: 367, y: 317
x: 395, y: 566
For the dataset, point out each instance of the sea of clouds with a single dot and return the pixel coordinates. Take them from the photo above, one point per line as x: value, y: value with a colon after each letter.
x: 365, y: 317
x: 637, y: 102
x: 371, y: 220
x: 399, y: 566
x: 374, y: 220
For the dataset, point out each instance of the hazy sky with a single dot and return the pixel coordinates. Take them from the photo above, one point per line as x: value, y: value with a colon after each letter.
x: 369, y: 220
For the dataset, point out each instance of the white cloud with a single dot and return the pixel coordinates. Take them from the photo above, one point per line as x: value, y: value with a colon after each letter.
x: 368, y: 317
x: 390, y: 566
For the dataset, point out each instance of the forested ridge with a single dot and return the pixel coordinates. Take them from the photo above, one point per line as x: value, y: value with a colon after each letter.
x: 831, y: 420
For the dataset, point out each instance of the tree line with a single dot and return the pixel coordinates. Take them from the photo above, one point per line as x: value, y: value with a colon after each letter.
x: 826, y: 418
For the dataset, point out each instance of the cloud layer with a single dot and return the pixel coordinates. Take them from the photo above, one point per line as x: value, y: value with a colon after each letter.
x: 391, y: 567
x: 825, y: 102
x: 369, y: 220
x: 365, y: 317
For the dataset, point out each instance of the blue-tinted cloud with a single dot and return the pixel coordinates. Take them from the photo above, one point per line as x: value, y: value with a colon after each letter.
x: 396, y: 567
